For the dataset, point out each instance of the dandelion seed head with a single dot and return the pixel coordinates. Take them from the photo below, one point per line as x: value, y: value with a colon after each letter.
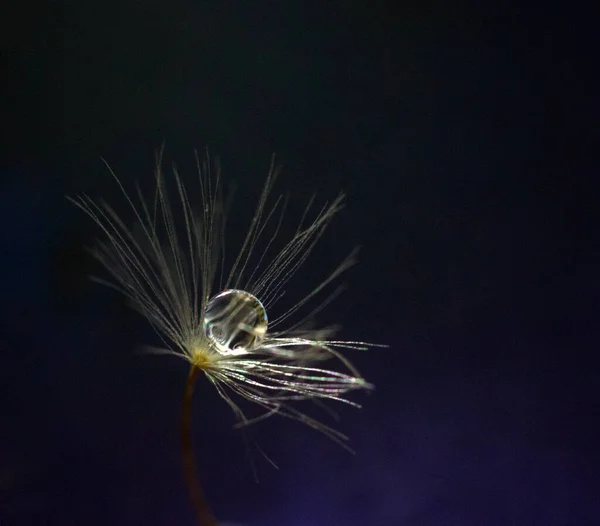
x: 171, y: 265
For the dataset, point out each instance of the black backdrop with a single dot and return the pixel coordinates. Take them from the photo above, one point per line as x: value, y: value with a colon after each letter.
x: 466, y: 140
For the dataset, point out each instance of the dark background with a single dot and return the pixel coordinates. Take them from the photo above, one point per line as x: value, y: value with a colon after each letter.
x: 466, y: 139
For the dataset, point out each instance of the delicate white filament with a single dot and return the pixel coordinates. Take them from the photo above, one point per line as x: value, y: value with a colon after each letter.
x: 167, y: 263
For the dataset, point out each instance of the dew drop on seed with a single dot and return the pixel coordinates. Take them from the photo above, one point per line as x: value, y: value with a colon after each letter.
x: 235, y: 321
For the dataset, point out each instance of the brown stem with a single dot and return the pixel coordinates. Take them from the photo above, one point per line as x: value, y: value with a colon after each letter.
x: 203, y: 512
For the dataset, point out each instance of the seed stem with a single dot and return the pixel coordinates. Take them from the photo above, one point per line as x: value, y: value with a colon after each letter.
x: 202, y: 510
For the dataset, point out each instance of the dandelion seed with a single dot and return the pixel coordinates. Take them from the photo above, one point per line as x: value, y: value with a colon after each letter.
x: 168, y: 266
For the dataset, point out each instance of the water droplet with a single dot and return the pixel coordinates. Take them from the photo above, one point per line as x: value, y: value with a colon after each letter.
x: 235, y: 322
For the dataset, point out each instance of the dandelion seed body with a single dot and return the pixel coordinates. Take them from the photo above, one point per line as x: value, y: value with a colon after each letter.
x: 167, y: 265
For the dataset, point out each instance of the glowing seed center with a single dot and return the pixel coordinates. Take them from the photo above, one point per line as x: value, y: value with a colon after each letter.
x: 235, y: 322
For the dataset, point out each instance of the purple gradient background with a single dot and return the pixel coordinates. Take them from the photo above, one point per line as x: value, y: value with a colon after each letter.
x: 466, y: 141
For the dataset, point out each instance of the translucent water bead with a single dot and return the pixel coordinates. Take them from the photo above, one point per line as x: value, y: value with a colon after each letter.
x: 235, y: 322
